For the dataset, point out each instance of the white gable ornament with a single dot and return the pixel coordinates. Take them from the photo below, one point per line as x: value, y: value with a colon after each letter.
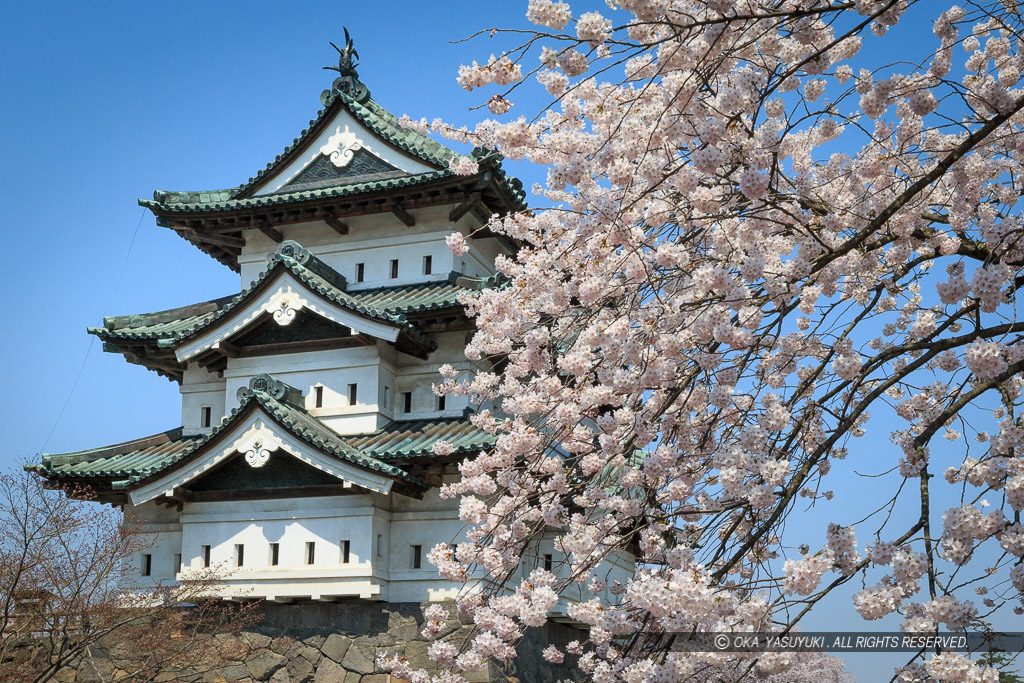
x: 341, y: 147
x: 284, y: 305
x: 256, y: 444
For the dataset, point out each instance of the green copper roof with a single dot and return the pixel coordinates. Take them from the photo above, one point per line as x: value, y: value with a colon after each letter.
x: 120, y: 460
x: 386, y: 304
x: 378, y: 120
x: 416, y: 438
x: 136, y: 461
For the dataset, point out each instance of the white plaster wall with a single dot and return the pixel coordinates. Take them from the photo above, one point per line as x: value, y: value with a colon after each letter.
x: 374, y: 240
x: 201, y: 388
x: 165, y: 543
x: 399, y: 521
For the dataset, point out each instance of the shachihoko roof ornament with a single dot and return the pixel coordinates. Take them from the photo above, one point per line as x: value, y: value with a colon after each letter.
x: 348, y: 78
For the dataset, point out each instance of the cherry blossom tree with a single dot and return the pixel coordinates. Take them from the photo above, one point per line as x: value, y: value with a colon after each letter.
x: 70, y: 599
x: 776, y: 238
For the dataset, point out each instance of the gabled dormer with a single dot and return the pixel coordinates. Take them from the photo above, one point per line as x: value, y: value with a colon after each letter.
x: 355, y: 174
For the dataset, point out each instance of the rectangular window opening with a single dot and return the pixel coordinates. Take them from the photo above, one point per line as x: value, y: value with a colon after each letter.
x: 407, y: 402
x: 549, y: 562
x: 147, y: 565
x: 387, y: 397
x: 352, y: 391
x: 205, y: 416
x: 177, y: 562
x: 360, y: 271
x: 310, y: 552
x: 380, y: 545
x: 206, y: 556
x: 275, y: 554
x: 346, y: 547
x: 417, y: 556
x: 318, y: 396
x: 239, y: 555
x: 394, y: 268
x: 428, y: 265
x: 440, y: 402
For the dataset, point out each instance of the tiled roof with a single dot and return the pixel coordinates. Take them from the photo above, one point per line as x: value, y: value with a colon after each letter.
x: 136, y: 461
x: 416, y: 438
x: 120, y: 460
x: 387, y: 304
x: 179, y: 202
x: 373, y: 116
x: 380, y: 121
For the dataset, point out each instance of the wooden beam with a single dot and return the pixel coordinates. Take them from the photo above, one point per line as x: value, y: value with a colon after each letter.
x: 339, y: 226
x: 272, y: 233
x: 464, y: 208
x: 402, y: 214
x: 228, y: 349
x: 221, y: 240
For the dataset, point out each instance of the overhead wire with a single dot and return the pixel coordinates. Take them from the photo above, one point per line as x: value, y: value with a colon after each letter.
x: 92, y: 338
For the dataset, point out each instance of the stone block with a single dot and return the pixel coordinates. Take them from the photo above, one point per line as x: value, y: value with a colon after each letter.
x: 328, y: 671
x: 336, y: 647
x: 311, y: 655
x: 359, y: 661
x: 300, y: 669
x: 263, y: 665
x: 255, y: 639
x: 281, y: 676
x: 416, y: 654
x: 314, y: 641
x: 234, y: 672
x: 288, y: 647
x: 405, y: 632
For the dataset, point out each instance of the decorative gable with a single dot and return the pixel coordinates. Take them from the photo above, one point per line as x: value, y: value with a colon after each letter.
x: 361, y: 166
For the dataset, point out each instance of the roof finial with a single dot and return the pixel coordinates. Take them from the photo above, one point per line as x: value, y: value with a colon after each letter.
x: 347, y: 81
x: 346, y: 67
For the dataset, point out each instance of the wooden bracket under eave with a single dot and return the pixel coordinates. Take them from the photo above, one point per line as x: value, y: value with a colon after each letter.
x: 220, y: 240
x: 272, y: 233
x: 339, y: 226
x: 401, y: 214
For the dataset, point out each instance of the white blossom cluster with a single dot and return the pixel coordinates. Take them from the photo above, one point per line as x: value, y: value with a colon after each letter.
x: 759, y: 252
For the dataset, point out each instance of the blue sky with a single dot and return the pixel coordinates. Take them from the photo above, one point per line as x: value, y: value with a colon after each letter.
x: 103, y: 103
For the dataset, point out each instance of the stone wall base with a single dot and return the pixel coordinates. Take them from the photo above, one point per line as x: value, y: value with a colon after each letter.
x: 319, y: 642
